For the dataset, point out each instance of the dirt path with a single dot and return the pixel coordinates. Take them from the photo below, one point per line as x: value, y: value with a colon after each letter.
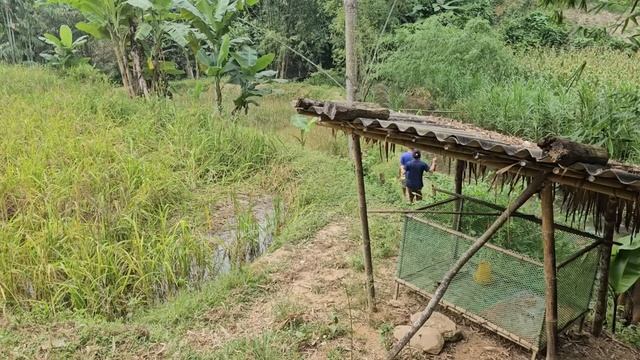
x: 314, y: 283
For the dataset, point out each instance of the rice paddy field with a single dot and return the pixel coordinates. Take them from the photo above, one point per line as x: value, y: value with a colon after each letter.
x: 106, y: 202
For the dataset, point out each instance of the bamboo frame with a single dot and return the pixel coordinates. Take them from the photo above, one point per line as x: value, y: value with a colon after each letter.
x: 550, y: 276
x: 472, y: 239
x: 579, y: 253
x: 600, y: 310
x: 409, y: 211
x: 529, y: 217
x: 473, y: 318
x: 364, y: 220
x: 459, y: 177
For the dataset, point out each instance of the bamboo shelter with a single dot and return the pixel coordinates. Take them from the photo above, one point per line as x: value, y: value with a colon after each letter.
x: 451, y: 250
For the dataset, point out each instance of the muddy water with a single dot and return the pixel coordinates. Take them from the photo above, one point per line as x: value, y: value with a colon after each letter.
x: 246, y: 231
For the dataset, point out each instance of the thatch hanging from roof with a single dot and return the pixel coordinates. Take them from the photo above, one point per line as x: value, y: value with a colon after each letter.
x: 583, y: 175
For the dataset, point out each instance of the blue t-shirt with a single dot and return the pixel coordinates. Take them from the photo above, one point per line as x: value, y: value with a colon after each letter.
x: 406, y: 158
x: 415, y: 169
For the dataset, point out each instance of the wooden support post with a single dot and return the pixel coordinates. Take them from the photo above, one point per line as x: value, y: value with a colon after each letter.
x: 531, y: 189
x: 549, y: 249
x: 364, y: 220
x: 460, y: 166
x: 600, y: 311
x: 351, y: 56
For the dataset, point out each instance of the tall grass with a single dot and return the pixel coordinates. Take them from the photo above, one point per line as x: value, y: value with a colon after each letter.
x: 589, y: 95
x: 100, y: 206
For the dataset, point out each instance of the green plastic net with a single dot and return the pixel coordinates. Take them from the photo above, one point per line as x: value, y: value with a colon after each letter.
x: 503, y: 283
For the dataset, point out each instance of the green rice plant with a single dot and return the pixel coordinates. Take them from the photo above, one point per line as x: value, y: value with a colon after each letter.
x: 100, y: 194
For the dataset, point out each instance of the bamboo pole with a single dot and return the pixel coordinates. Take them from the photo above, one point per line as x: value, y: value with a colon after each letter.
x: 600, y: 310
x: 460, y: 166
x: 351, y: 60
x: 551, y: 290
x: 532, y: 188
x: 364, y: 220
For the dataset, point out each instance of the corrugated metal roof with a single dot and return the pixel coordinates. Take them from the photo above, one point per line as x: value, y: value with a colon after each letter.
x: 494, y: 142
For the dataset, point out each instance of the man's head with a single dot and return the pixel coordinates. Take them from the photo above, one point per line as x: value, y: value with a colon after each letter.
x: 416, y: 154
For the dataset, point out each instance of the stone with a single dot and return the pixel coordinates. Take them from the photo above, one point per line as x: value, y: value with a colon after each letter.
x: 440, y: 322
x: 426, y: 339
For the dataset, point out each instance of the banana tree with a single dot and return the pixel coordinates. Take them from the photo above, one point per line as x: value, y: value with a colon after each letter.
x: 108, y: 19
x: 624, y: 270
x: 221, y: 56
x: 248, y: 71
x: 65, y: 48
x: 157, y: 27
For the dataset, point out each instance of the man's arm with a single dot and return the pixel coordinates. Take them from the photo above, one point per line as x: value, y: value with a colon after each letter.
x: 432, y: 168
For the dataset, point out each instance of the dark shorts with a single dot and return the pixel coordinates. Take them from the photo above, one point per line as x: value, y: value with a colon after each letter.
x: 415, y: 193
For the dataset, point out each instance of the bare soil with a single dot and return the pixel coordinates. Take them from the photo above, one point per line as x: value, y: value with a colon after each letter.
x: 315, y: 281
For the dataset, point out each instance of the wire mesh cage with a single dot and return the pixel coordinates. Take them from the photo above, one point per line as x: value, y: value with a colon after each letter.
x: 502, y: 287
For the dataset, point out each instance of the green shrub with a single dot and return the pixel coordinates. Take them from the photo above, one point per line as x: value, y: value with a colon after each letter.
x: 449, y: 62
x: 535, y: 30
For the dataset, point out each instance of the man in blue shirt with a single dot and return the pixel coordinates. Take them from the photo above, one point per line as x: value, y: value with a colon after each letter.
x: 405, y: 158
x: 414, y: 170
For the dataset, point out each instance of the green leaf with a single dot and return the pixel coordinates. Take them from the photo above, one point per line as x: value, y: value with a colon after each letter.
x: 143, y: 31
x: 222, y: 7
x: 213, y: 70
x: 92, y: 29
x: 246, y: 57
x: 178, y: 32
x: 51, y: 39
x: 203, y: 58
x: 140, y: 4
x: 625, y: 265
x: 223, y: 54
x: 66, y: 36
x: 304, y: 123
x: 263, y: 62
x: 169, y: 67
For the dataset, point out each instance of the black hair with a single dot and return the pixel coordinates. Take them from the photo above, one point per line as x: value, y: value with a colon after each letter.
x: 416, y: 154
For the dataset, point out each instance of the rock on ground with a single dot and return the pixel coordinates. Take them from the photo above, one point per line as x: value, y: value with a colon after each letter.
x: 440, y: 322
x: 426, y: 339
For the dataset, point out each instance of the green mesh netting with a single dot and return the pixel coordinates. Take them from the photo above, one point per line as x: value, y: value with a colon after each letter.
x: 505, y: 288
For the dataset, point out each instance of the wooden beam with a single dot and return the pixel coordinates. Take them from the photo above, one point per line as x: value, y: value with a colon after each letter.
x: 600, y: 310
x: 532, y: 188
x: 364, y: 220
x: 551, y: 289
x: 566, y: 152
